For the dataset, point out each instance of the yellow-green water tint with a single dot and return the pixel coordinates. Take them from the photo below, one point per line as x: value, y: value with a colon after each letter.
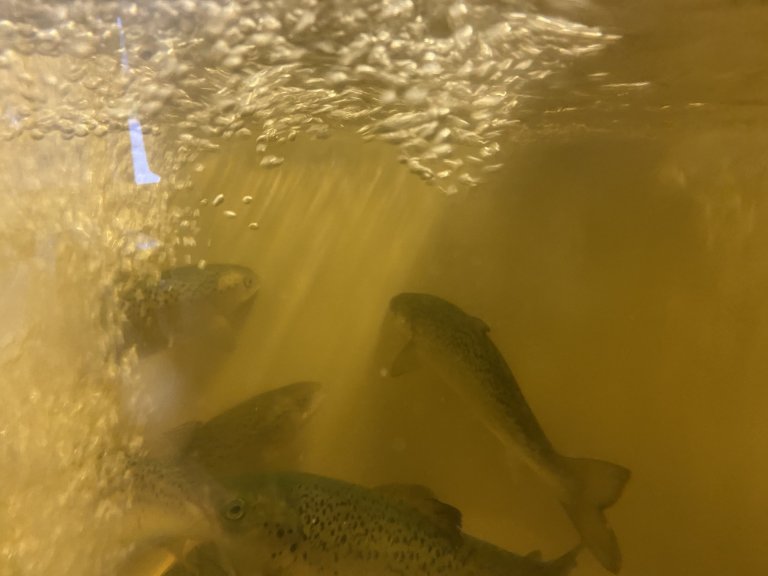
x: 618, y: 257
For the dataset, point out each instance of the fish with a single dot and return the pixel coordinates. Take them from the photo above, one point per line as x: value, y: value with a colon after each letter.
x: 456, y: 346
x: 160, y: 501
x: 187, y: 302
x: 167, y: 518
x: 256, y: 434
x: 294, y: 523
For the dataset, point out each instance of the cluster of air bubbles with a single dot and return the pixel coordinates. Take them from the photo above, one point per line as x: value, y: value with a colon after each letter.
x: 441, y: 79
x: 62, y: 443
x: 69, y: 233
x: 218, y: 200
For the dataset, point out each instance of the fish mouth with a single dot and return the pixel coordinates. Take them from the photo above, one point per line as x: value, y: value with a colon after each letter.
x: 252, y: 284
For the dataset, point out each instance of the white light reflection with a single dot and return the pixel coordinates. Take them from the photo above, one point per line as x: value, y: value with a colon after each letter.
x: 142, y: 174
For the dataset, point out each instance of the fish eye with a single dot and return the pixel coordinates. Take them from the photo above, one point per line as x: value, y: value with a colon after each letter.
x: 235, y: 509
x: 248, y: 282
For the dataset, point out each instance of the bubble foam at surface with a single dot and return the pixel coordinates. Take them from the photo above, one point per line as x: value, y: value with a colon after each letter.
x: 440, y: 79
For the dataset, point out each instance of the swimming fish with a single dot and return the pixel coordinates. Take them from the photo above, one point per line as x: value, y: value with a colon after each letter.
x: 457, y: 347
x: 160, y: 501
x: 300, y: 524
x: 261, y: 433
x: 188, y: 302
x: 257, y: 434
x: 167, y: 518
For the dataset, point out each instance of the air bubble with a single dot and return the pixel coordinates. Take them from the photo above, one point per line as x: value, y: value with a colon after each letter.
x: 271, y: 161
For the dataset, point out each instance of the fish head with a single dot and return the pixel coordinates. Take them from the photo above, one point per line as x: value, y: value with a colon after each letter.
x: 258, y: 517
x: 267, y: 415
x: 428, y: 316
x: 415, y: 312
x: 168, y: 501
x: 264, y: 431
x: 255, y: 505
x: 232, y: 287
x: 221, y: 287
x: 404, y: 309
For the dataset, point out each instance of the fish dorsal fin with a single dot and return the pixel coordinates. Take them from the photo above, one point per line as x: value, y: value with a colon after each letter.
x: 177, y: 441
x: 422, y: 499
x: 406, y: 361
x: 479, y: 324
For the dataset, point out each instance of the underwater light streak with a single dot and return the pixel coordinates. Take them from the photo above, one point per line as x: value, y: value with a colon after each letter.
x: 142, y: 174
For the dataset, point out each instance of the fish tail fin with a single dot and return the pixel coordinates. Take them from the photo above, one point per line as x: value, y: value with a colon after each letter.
x: 594, y: 486
x: 564, y: 564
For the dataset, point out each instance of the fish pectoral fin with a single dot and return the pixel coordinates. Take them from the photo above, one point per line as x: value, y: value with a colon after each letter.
x: 406, y: 361
x: 422, y: 499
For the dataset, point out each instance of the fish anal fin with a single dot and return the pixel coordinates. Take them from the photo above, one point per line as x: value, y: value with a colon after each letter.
x: 596, y: 481
x: 422, y: 499
x: 594, y: 485
x: 406, y: 361
x: 564, y: 564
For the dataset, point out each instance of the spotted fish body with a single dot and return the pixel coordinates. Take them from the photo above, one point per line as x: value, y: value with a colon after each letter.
x: 301, y: 524
x: 258, y: 434
x: 255, y: 435
x: 188, y: 302
x: 457, y: 348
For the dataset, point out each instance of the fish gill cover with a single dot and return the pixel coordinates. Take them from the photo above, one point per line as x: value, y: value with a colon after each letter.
x: 441, y: 79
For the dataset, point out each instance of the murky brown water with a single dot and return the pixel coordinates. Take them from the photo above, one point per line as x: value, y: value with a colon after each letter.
x: 619, y: 257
